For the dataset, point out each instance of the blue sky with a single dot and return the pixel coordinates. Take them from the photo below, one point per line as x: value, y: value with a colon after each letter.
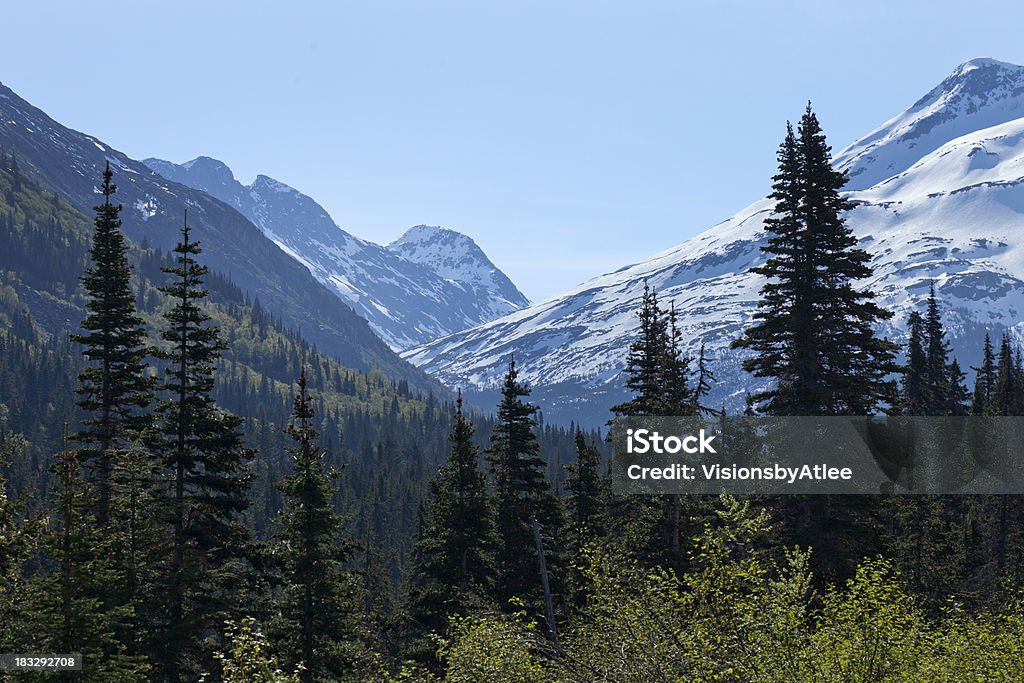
x: 567, y: 138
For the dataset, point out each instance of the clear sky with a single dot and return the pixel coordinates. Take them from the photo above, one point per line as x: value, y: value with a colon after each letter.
x: 567, y: 138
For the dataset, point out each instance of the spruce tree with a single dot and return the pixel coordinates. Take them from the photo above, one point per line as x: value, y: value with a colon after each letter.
x: 202, y: 451
x: 70, y: 613
x: 677, y: 396
x: 20, y: 532
x: 933, y: 384
x: 316, y: 604
x: 115, y: 388
x: 658, y: 376
x: 645, y: 362
x: 913, y: 398
x: 522, y: 492
x: 586, y: 510
x: 814, y: 330
x: 985, y: 381
x: 705, y: 377
x: 453, y: 558
x: 813, y: 335
x: 1008, y: 388
x: 944, y: 380
x: 957, y: 396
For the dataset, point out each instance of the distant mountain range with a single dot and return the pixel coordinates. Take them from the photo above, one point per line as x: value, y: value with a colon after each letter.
x: 429, y: 283
x: 939, y: 191
x: 71, y: 163
x: 940, y: 200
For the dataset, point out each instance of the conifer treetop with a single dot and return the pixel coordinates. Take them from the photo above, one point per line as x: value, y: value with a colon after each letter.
x: 813, y: 332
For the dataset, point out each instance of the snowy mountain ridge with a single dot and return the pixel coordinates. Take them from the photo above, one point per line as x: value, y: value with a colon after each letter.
x: 940, y: 200
x: 429, y: 283
x: 978, y: 94
x: 457, y: 258
x: 70, y: 163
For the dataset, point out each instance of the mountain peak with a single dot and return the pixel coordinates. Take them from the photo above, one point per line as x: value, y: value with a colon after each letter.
x: 455, y: 256
x: 424, y: 233
x: 974, y: 83
x: 265, y: 182
x: 937, y: 191
x: 446, y: 285
x: 978, y: 94
x: 69, y: 163
x: 211, y: 168
x: 985, y: 63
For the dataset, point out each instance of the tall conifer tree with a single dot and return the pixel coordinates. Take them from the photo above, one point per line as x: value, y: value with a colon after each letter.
x: 947, y: 394
x: 115, y: 388
x: 658, y: 376
x: 453, y: 559
x: 1008, y: 389
x: 586, y: 511
x: 317, y: 606
x: 705, y: 378
x: 914, y: 399
x: 814, y: 330
x: 70, y: 611
x: 678, y: 396
x: 984, y: 381
x: 933, y: 383
x: 207, y: 464
x: 521, y: 492
x: 813, y: 333
x: 645, y: 363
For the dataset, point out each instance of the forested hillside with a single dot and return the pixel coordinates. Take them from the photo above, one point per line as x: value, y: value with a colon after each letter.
x: 388, y: 437
x: 69, y: 163
x: 189, y: 491
x: 782, y: 588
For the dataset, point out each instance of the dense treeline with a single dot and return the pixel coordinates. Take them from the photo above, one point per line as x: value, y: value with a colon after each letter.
x: 388, y: 439
x: 163, y: 508
x: 744, y: 611
x: 781, y: 588
x: 221, y: 501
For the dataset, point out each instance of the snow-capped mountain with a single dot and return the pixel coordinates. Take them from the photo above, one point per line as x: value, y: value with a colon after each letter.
x: 429, y: 283
x: 457, y: 258
x: 71, y: 163
x: 940, y: 199
x: 978, y: 94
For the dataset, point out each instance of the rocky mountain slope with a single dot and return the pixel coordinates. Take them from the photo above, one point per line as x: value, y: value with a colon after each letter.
x: 71, y: 164
x: 429, y: 283
x: 940, y: 200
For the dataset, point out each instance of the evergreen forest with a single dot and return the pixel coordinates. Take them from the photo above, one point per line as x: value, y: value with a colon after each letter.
x: 189, y: 491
